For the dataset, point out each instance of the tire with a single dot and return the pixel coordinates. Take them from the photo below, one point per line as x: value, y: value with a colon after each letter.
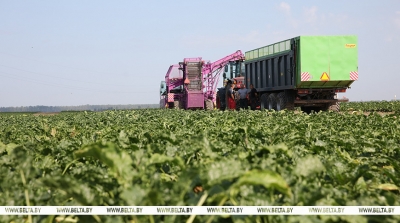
x: 272, y: 101
x: 264, y: 102
x: 284, y: 101
x: 208, y: 105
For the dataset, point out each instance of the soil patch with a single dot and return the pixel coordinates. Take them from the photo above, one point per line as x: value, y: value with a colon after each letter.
x: 45, y: 113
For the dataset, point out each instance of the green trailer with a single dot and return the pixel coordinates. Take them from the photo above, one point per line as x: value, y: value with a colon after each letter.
x: 305, y: 71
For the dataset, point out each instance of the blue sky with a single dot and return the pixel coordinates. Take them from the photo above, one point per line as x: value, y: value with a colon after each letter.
x: 117, y: 52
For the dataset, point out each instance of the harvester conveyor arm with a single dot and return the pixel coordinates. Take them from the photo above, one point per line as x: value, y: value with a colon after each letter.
x: 211, y: 67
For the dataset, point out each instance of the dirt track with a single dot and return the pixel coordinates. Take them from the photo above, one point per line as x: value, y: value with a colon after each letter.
x: 45, y: 113
x: 356, y: 113
x: 349, y: 112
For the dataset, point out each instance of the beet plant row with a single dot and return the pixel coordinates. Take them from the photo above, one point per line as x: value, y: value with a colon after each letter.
x: 175, y: 157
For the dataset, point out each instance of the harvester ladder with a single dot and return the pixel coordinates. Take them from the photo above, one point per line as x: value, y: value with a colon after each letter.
x: 193, y: 70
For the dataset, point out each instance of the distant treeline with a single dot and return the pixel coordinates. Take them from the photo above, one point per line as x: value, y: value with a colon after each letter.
x: 41, y: 108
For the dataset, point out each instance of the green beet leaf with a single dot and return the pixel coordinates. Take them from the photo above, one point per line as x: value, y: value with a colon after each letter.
x: 269, y: 179
x: 118, y: 161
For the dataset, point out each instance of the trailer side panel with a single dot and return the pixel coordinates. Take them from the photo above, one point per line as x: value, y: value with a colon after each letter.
x: 271, y: 68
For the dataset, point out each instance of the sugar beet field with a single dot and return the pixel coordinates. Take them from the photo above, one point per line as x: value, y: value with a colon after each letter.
x: 175, y: 157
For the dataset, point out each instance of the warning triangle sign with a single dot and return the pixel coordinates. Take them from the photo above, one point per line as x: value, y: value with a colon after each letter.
x: 324, y: 77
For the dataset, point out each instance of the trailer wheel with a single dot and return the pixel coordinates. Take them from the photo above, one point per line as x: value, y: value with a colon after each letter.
x: 284, y: 101
x: 209, y: 105
x: 264, y: 102
x: 272, y: 101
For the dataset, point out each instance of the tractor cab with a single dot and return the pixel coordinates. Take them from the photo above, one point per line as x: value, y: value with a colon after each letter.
x: 238, y: 82
x: 234, y: 74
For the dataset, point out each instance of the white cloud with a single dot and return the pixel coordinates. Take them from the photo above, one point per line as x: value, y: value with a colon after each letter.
x: 311, y: 14
x: 285, y: 7
x: 310, y: 21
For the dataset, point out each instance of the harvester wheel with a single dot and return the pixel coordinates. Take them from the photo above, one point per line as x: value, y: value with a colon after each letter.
x: 264, y: 102
x: 272, y: 101
x: 209, y: 105
x: 284, y: 101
